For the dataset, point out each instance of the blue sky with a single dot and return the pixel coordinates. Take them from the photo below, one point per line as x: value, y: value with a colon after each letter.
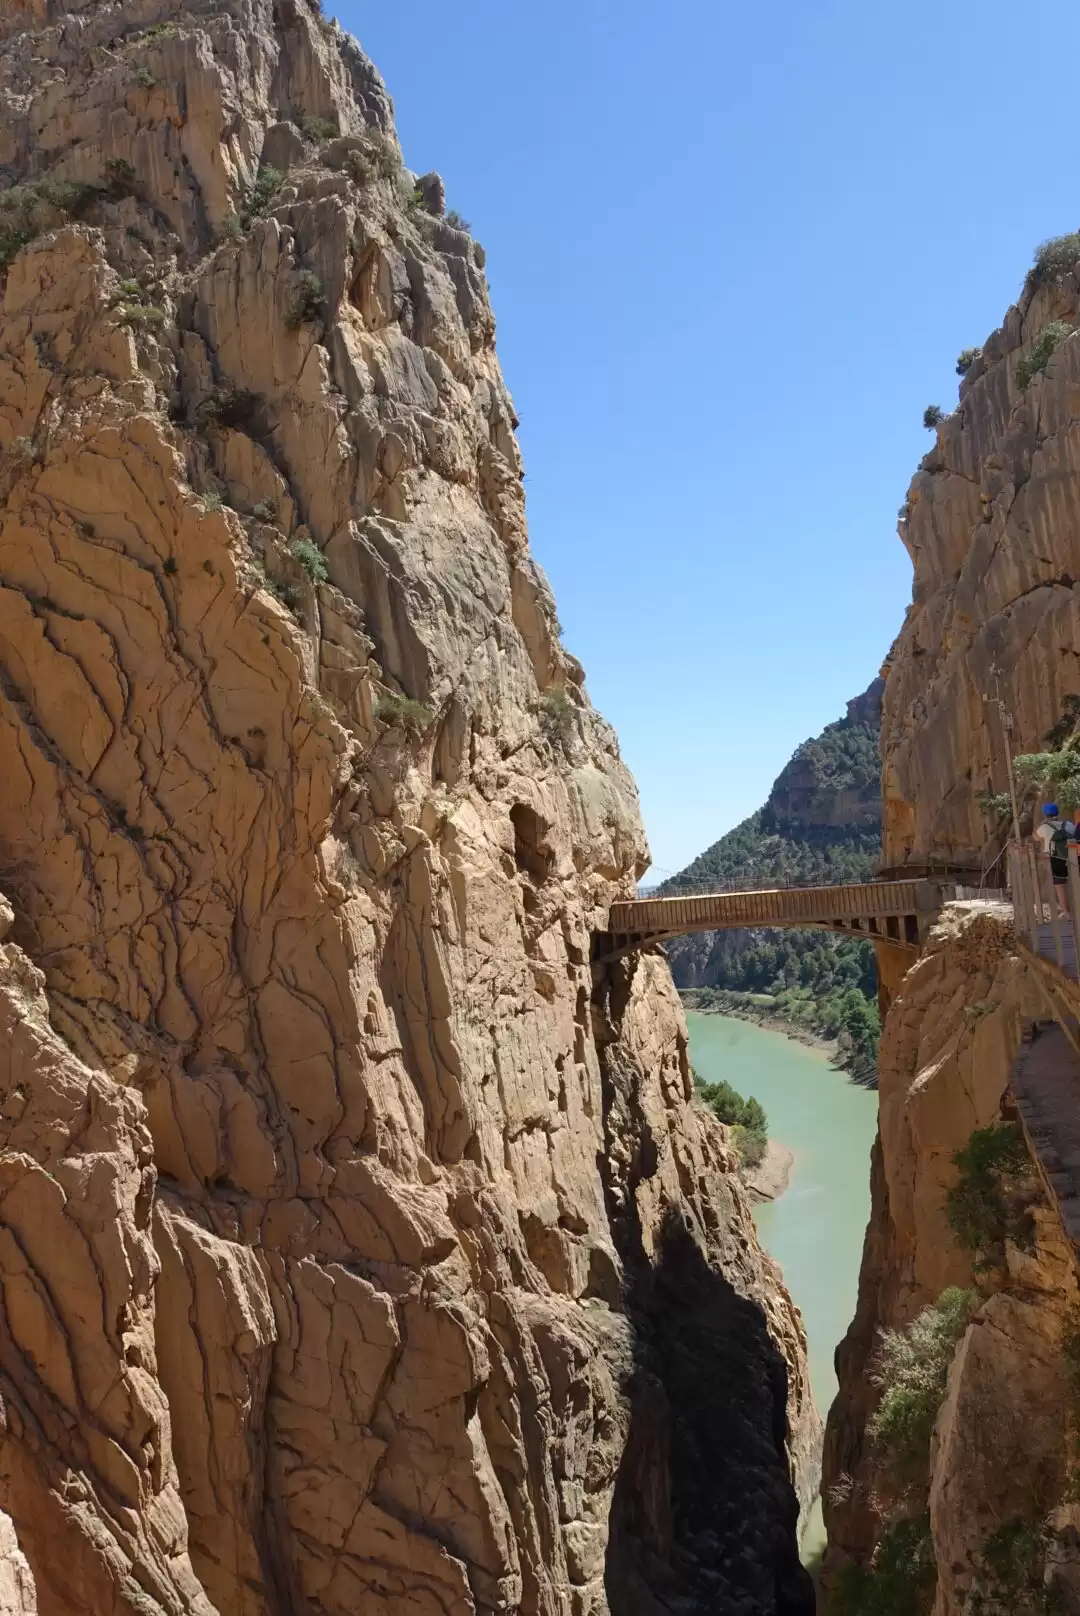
x: 734, y: 252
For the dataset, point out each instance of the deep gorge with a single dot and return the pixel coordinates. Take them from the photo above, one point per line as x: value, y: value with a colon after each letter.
x: 363, y: 1245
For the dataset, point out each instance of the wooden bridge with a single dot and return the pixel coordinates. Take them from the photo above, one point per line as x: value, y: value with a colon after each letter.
x: 897, y: 912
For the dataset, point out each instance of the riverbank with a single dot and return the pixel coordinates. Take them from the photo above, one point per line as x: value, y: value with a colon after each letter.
x: 770, y: 1178
x: 814, y: 1228
x: 761, y: 1010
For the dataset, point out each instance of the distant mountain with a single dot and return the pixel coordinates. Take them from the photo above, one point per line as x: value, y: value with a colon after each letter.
x: 820, y: 823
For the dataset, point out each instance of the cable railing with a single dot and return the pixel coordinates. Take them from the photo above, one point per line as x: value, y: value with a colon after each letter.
x: 971, y: 877
x: 1046, y: 913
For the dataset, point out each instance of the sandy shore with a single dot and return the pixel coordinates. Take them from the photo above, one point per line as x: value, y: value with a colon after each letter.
x: 769, y: 1179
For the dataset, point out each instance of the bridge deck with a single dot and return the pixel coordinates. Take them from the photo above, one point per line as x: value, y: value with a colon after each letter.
x: 886, y: 908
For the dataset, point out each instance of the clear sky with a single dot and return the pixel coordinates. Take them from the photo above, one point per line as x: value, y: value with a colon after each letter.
x: 734, y: 252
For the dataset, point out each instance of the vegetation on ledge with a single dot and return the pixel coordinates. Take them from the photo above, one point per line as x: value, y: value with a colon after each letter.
x: 746, y: 1116
x: 815, y: 983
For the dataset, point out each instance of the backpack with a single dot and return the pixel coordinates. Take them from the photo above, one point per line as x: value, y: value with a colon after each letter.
x: 1059, y: 843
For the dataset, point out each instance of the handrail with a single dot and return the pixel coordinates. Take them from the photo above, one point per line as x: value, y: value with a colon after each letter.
x: 1038, y: 918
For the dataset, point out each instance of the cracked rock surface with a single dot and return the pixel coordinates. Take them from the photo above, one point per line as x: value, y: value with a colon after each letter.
x: 360, y: 1246
x: 992, y: 525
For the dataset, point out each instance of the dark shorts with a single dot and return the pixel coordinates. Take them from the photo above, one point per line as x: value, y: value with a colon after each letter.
x: 1059, y: 869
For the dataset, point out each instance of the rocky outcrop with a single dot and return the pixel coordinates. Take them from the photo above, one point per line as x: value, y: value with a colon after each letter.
x: 986, y: 662
x: 1002, y: 1445
x: 313, y: 1295
x: 990, y: 524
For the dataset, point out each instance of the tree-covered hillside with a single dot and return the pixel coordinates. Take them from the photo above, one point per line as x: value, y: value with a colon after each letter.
x: 821, y: 824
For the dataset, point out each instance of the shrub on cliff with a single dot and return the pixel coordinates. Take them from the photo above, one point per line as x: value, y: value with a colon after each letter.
x: 900, y: 1579
x: 267, y: 185
x: 966, y: 359
x: 746, y: 1116
x: 932, y: 416
x: 1038, y: 356
x: 1010, y: 1574
x: 911, y: 1368
x: 311, y: 559
x: 403, y: 711
x: 1053, y: 259
x: 1057, y: 772
x: 987, y: 1205
x: 557, y: 717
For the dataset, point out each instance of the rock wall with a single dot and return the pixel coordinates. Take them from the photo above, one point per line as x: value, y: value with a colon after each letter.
x: 992, y: 638
x: 992, y: 528
x: 360, y: 1246
x: 1003, y: 1448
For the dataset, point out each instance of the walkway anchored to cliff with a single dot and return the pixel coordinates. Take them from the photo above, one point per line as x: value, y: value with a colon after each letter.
x: 896, y: 912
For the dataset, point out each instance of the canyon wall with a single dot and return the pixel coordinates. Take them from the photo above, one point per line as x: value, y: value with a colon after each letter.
x: 992, y: 525
x: 990, y: 647
x: 360, y: 1245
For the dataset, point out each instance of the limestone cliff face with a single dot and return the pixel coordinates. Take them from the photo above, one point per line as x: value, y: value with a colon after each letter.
x: 360, y: 1247
x: 992, y: 531
x: 1003, y: 1447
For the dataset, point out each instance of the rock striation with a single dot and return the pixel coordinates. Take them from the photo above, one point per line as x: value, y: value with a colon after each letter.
x: 359, y: 1247
x: 990, y: 523
x: 987, y: 658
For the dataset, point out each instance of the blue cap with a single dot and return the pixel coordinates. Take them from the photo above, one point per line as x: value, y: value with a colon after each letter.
x: 1051, y: 810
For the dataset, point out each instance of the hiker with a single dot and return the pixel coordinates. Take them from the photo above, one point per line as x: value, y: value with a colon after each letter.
x: 1054, y: 835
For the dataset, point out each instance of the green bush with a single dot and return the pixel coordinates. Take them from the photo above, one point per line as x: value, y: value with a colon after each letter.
x: 213, y: 501
x: 1057, y: 772
x: 309, y: 300
x: 377, y: 159
x: 966, y: 359
x: 911, y: 1368
x: 119, y: 178
x: 139, y: 316
x: 231, y: 228
x: 311, y: 559
x: 1038, y: 356
x: 228, y: 406
x: 392, y: 709
x: 1053, y: 259
x: 318, y: 128
x: 456, y: 222
x: 144, y: 78
x: 900, y: 1580
x: 265, y: 510
x: 558, y: 717
x: 268, y: 183
x: 27, y: 211
x: 1010, y: 1573
x: 995, y: 805
x: 981, y: 1209
x: 933, y: 415
x: 746, y: 1116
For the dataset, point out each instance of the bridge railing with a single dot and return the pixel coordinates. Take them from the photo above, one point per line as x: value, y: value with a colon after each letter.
x: 1050, y: 927
x: 966, y: 878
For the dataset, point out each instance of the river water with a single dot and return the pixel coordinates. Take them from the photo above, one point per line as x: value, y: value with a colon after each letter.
x: 815, y: 1230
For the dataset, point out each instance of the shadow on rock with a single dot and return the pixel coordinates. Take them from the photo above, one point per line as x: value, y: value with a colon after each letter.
x: 704, y: 1517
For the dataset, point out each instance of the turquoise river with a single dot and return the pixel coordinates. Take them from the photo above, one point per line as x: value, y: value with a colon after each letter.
x: 815, y: 1229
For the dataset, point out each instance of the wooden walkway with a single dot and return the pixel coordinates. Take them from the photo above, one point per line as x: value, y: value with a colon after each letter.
x: 897, y: 912
x: 1045, y: 1083
x: 1047, y: 947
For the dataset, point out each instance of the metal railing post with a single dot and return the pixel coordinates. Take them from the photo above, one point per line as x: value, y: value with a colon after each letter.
x: 1024, y: 892
x: 1074, y: 897
x: 1046, y: 880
